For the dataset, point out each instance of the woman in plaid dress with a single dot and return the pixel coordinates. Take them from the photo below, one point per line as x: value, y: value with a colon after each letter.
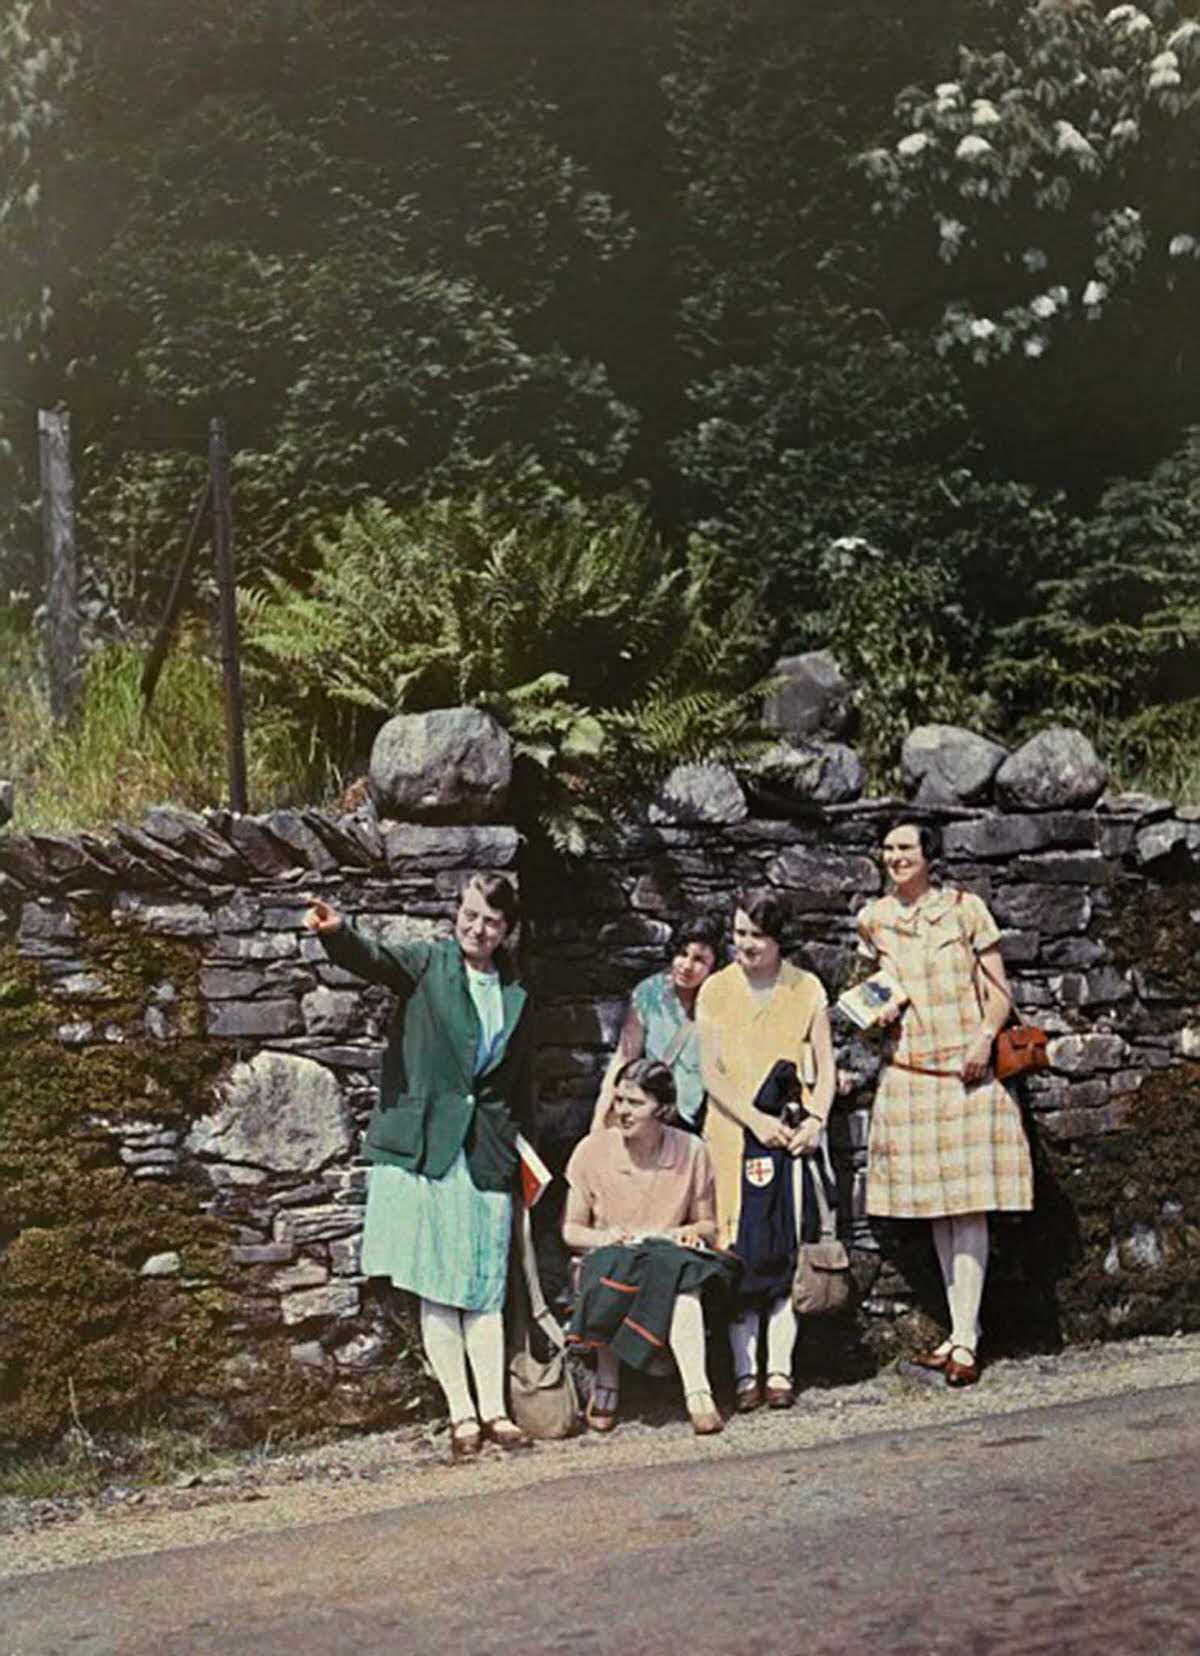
x: 946, y: 1141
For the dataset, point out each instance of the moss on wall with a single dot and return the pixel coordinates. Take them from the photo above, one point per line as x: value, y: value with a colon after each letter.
x: 82, y: 1333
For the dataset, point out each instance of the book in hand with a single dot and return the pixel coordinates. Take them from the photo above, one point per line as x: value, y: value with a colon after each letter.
x: 535, y: 1175
x: 863, y: 1004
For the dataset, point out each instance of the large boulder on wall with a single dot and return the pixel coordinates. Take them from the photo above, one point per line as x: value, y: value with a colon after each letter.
x: 947, y: 765
x: 451, y: 765
x: 812, y: 699
x: 1056, y: 770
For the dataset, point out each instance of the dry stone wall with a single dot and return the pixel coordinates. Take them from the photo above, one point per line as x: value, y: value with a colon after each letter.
x: 1100, y: 910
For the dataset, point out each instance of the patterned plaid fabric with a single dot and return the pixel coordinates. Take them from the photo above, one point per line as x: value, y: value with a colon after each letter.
x: 937, y: 1146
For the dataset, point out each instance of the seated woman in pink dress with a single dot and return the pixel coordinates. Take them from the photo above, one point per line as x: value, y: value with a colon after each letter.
x: 642, y: 1211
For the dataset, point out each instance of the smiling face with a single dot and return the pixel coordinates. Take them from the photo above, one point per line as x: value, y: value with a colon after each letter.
x: 904, y: 859
x: 755, y: 952
x: 479, y: 929
x: 690, y: 965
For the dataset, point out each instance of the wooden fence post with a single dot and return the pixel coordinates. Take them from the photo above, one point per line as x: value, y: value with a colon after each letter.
x: 62, y: 583
x: 231, y: 673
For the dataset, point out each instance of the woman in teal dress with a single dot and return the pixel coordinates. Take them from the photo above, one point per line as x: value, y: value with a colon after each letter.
x: 660, y: 1021
x: 456, y: 1087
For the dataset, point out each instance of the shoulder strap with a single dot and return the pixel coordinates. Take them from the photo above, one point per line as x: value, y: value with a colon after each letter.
x: 978, y: 966
x: 678, y: 1041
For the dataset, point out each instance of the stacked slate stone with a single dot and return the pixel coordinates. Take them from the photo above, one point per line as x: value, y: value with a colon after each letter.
x: 273, y: 1151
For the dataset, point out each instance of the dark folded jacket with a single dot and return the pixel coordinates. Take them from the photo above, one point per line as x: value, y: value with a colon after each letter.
x: 767, y: 1235
x: 627, y: 1294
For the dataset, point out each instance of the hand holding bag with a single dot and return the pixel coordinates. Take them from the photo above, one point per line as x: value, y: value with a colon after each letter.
x: 821, y: 1285
x: 1020, y: 1045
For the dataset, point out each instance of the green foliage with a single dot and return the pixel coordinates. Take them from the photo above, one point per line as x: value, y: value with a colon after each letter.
x: 892, y: 626
x: 1056, y: 176
x: 607, y: 658
x: 109, y: 763
x: 1120, y: 629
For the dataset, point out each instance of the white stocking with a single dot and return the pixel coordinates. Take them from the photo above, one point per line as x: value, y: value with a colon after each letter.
x: 781, y: 1337
x: 687, y: 1343
x: 483, y: 1333
x: 965, y: 1292
x: 961, y: 1242
x: 442, y: 1334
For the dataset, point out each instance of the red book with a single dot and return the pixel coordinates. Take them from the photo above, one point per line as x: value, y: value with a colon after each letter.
x: 535, y: 1175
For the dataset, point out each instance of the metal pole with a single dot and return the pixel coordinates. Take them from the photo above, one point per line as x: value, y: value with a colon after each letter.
x: 62, y: 584
x: 222, y: 533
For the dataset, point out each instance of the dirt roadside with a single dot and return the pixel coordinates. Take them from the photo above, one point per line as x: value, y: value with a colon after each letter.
x: 389, y: 1470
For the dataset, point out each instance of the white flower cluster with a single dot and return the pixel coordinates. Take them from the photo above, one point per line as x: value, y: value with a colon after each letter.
x: 983, y: 328
x: 984, y: 113
x: 1164, y: 71
x: 973, y: 148
x: 1135, y: 22
x: 913, y: 143
x: 948, y: 95
x: 1034, y: 260
x: 1126, y: 131
x: 1070, y: 141
x: 1094, y: 295
x: 1181, y: 244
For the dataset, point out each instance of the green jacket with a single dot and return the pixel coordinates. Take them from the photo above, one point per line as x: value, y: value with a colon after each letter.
x: 431, y: 1104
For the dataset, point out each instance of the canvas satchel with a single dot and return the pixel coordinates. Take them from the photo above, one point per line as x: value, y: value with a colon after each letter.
x: 543, y: 1400
x: 821, y: 1285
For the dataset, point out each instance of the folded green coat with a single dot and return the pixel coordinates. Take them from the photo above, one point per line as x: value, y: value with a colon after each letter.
x: 627, y: 1294
x: 431, y: 1104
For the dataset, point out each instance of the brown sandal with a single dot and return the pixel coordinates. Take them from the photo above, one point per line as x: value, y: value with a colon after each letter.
x: 598, y: 1419
x: 932, y: 1359
x: 748, y: 1396
x: 781, y: 1395
x: 466, y: 1440
x: 961, y: 1374
x: 506, y: 1434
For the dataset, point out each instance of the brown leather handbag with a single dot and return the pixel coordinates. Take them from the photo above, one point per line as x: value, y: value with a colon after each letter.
x: 1020, y: 1046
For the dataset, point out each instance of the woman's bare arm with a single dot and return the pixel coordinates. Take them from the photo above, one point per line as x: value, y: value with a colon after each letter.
x: 579, y: 1231
x: 631, y: 1043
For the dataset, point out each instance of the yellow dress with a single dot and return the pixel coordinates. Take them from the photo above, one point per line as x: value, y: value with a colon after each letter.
x: 741, y: 1036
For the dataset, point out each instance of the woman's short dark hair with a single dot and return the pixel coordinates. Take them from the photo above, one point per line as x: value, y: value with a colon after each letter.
x: 653, y: 1077
x: 708, y: 929
x: 766, y: 911
x: 928, y: 833
x: 497, y: 891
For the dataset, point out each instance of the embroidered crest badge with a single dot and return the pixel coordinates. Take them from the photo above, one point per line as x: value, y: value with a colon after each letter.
x: 759, y: 1170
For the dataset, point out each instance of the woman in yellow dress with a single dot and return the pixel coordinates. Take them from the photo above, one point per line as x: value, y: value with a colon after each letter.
x: 749, y: 1015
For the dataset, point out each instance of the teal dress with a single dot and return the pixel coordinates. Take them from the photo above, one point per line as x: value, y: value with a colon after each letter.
x: 444, y: 1239
x: 662, y: 1017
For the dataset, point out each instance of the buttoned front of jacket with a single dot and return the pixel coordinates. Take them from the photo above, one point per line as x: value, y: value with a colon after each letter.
x: 431, y: 1104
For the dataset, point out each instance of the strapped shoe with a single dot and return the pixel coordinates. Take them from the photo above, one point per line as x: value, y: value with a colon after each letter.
x: 748, y: 1396
x: 781, y: 1394
x: 466, y: 1439
x: 506, y: 1434
x: 960, y: 1373
x: 600, y: 1415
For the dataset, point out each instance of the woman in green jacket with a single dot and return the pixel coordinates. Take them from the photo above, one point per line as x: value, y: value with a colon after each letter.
x: 455, y: 1088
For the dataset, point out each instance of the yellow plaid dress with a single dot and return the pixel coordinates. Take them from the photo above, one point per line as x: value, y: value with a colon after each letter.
x: 938, y: 1146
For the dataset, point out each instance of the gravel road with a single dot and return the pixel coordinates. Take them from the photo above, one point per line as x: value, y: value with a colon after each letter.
x: 391, y: 1470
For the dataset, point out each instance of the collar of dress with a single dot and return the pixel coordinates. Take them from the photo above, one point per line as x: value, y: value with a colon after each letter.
x: 928, y: 909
